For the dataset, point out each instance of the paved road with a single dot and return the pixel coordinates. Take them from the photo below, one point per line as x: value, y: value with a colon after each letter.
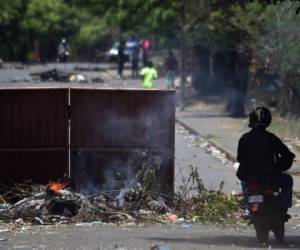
x: 212, y: 171
x: 106, y: 71
x: 23, y: 72
x: 166, y: 237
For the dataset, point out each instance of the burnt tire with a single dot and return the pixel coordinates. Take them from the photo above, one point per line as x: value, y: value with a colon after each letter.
x: 278, y: 231
x: 262, y: 231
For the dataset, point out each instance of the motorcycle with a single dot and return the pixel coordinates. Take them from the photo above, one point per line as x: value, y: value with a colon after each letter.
x: 264, y: 212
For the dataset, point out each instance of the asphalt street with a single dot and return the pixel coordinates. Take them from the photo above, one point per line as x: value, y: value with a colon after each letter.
x: 129, y: 237
x: 211, y: 170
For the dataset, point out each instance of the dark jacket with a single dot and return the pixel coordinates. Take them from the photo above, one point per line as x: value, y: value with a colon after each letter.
x: 263, y: 156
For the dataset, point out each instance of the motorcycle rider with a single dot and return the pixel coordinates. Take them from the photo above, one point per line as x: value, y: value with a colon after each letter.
x: 264, y: 157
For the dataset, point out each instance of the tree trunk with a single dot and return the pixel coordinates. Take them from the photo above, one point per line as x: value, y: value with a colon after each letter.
x: 37, y: 54
x: 240, y: 84
x: 218, y: 72
x: 201, y: 69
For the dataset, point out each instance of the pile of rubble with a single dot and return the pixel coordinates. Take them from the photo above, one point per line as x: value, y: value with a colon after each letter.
x: 56, y: 204
x: 55, y: 75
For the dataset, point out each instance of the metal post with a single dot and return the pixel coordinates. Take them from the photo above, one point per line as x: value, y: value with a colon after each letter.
x: 183, y: 59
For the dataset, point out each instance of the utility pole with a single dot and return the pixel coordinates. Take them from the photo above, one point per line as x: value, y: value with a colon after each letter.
x: 182, y: 57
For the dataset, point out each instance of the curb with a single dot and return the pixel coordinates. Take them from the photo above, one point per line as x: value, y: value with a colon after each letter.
x: 228, y: 154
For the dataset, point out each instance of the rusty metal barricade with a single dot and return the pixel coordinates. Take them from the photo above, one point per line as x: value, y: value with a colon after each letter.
x: 96, y: 136
x: 33, y: 134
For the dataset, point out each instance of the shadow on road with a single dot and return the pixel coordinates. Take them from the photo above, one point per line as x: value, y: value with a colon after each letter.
x: 292, y: 242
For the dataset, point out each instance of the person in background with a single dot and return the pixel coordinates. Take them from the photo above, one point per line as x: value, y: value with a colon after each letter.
x: 63, y: 51
x: 146, y: 44
x: 135, y: 63
x: 148, y: 75
x: 121, y: 58
x: 170, y: 70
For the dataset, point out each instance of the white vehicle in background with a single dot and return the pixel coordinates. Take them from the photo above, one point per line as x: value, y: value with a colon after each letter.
x: 112, y: 54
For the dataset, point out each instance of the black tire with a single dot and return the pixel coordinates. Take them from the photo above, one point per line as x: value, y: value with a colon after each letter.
x: 278, y: 231
x: 262, y: 231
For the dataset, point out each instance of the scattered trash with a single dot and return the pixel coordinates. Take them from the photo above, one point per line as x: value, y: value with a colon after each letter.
x: 172, y: 217
x: 52, y: 75
x: 19, y: 221
x: 23, y: 247
x: 185, y: 226
x: 158, y: 206
x: 97, y: 80
x: 236, y: 165
x: 203, y: 143
x: 160, y: 247
x: 3, y: 239
x: 215, y: 152
x: 31, y: 204
x: 39, y: 220
x: 77, y: 78
x: 53, y: 203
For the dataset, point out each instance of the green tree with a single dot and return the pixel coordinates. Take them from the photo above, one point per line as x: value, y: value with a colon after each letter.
x: 13, y: 40
x: 278, y: 41
x: 48, y: 21
x: 273, y: 33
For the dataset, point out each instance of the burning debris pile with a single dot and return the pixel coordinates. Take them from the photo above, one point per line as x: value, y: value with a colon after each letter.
x: 54, y: 203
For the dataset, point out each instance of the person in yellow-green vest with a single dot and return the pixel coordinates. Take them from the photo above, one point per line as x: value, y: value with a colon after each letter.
x: 148, y: 74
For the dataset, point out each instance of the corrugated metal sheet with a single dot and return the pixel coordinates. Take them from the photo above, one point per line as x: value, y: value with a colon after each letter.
x: 110, y: 131
x: 110, y: 128
x: 33, y: 134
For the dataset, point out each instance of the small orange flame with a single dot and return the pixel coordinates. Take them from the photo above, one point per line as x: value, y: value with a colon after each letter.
x: 56, y: 186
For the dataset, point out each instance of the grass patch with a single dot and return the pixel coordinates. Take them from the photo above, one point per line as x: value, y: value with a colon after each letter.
x: 285, y: 127
x: 213, y: 137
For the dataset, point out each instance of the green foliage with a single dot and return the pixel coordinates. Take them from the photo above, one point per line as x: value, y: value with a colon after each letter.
x: 196, y: 203
x: 273, y: 33
x: 9, y: 10
x: 43, y: 17
x: 91, y: 31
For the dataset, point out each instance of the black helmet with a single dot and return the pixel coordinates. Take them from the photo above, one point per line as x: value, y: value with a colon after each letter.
x: 260, y: 117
